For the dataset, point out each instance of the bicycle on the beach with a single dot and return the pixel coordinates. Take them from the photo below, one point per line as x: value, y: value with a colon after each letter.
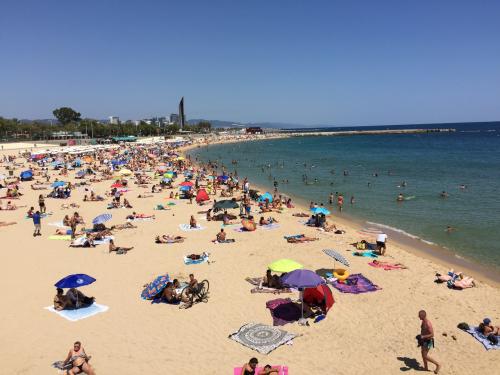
x: 195, y: 295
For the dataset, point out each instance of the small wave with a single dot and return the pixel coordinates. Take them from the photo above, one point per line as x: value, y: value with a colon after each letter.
x: 401, y: 231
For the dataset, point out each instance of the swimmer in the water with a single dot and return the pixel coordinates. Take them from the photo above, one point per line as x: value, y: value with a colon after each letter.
x: 463, y: 186
x: 450, y: 229
x: 400, y: 198
x: 444, y: 194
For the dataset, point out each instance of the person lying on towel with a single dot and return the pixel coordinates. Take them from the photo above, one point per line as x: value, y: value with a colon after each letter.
x: 74, y: 299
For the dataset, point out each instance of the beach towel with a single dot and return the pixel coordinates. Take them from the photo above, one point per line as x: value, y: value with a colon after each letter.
x: 58, y: 224
x: 141, y: 219
x: 474, y: 331
x: 104, y: 240
x: 368, y: 254
x: 79, y: 314
x: 387, y: 267
x: 203, y: 259
x: 283, y: 370
x: 187, y: 228
x: 355, y: 284
x: 228, y: 240
x: 265, y: 289
x: 230, y: 225
x: 270, y: 226
x: 261, y: 337
x: 283, y: 311
x: 293, y: 236
x: 61, y: 366
x: 60, y: 237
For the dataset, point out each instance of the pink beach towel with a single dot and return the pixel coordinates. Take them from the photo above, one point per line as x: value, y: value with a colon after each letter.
x: 283, y: 370
x: 387, y: 267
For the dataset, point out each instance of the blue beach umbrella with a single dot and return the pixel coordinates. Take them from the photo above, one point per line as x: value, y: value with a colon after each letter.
x: 102, y: 218
x: 320, y: 210
x: 58, y: 184
x: 185, y: 188
x: 265, y: 196
x: 26, y: 175
x: 74, y: 281
x: 155, y: 287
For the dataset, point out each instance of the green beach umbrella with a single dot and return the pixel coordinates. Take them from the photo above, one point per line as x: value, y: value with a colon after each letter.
x: 284, y: 265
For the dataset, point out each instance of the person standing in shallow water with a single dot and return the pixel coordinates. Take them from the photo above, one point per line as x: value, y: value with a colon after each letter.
x: 426, y: 341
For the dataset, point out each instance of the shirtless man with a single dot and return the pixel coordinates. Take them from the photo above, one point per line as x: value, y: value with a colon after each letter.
x: 427, y: 341
x: 79, y: 360
x: 488, y: 329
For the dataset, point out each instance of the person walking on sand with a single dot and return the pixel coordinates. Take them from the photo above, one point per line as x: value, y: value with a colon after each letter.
x: 426, y: 341
x: 37, y: 222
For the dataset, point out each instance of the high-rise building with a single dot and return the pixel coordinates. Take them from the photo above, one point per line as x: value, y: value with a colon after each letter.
x: 114, y: 120
x: 174, y: 118
x: 182, y: 117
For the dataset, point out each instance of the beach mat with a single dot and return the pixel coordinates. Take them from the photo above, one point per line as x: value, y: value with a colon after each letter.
x: 79, y: 314
x: 267, y: 290
x: 261, y: 337
x: 58, y: 224
x: 355, y: 284
x: 283, y: 370
x: 474, y: 331
x: 386, y: 267
x: 367, y: 254
x: 66, y: 237
x: 187, y: 228
x: 104, y: 240
x: 189, y: 261
x: 283, y: 311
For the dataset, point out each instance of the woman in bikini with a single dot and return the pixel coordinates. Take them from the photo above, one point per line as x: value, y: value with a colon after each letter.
x: 79, y: 359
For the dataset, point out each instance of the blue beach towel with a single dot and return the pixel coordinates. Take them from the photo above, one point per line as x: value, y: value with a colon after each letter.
x: 197, y: 261
x: 474, y: 331
x: 75, y: 315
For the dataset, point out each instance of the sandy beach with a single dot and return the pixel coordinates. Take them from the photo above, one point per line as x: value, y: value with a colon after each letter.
x: 371, y: 333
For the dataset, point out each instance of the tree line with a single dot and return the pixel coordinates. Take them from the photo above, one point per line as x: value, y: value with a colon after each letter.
x: 70, y: 121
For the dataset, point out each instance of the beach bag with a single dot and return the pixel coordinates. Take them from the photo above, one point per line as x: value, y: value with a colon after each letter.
x: 463, y: 326
x: 361, y: 246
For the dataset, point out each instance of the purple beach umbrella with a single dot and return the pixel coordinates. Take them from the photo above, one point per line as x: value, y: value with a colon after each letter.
x: 302, y: 279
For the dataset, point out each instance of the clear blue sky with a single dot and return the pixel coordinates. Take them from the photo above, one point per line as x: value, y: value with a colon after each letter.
x: 305, y: 62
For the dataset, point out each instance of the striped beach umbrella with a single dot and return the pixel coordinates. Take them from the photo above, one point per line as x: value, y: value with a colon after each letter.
x: 337, y: 257
x: 102, y: 218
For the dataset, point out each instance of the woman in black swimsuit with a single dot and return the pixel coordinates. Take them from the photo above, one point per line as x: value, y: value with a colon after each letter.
x: 249, y: 368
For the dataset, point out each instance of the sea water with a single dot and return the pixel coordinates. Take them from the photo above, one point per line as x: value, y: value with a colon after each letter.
x: 465, y: 164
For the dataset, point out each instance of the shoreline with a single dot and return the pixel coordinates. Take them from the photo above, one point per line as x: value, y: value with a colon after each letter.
x: 435, y: 253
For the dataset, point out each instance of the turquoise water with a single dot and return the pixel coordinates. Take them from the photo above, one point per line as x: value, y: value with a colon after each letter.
x: 429, y: 163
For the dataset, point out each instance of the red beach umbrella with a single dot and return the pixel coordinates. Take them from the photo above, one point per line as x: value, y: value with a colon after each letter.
x: 186, y: 183
x: 202, y: 196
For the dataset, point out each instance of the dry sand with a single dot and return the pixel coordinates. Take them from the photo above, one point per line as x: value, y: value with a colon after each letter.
x: 370, y: 333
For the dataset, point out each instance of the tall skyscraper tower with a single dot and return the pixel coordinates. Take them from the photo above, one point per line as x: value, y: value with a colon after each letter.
x: 182, y: 117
